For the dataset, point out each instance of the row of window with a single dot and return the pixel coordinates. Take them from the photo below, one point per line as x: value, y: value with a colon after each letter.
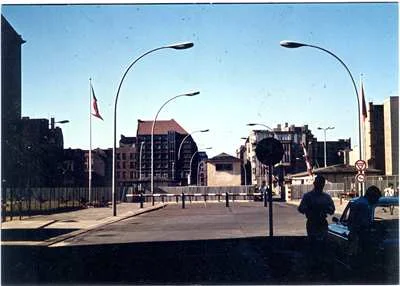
x: 124, y: 175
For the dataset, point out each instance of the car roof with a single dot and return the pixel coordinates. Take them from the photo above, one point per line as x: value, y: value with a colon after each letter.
x: 384, y: 201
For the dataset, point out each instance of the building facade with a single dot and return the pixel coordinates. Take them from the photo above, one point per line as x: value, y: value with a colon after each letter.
x: 391, y: 131
x: 224, y: 170
x: 169, y: 168
x: 11, y: 43
x: 291, y: 138
x: 381, y: 136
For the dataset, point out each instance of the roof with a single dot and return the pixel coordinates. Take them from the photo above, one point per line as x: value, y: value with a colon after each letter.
x: 223, y: 157
x: 161, y: 127
x: 335, y: 169
x: 384, y: 201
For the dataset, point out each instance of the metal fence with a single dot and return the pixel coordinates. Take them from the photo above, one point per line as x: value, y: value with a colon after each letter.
x: 334, y: 189
x: 18, y: 202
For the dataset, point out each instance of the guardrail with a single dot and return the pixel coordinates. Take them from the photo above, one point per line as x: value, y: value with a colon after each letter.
x: 184, y: 198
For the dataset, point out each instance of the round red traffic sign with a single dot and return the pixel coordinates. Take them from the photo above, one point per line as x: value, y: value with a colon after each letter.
x: 360, y: 178
x: 360, y: 165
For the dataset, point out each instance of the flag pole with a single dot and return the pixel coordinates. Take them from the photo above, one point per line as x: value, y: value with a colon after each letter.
x: 90, y: 141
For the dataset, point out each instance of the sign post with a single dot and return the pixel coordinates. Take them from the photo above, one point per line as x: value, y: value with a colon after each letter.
x: 361, y: 167
x: 269, y: 151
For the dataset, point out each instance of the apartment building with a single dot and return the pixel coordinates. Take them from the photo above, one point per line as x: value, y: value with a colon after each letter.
x: 169, y: 168
x: 381, y: 136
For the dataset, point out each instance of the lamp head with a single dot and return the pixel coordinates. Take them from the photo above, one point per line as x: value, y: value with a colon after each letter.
x: 205, y: 130
x: 291, y: 44
x: 251, y: 124
x: 192, y: 93
x: 181, y: 46
x: 63, y: 121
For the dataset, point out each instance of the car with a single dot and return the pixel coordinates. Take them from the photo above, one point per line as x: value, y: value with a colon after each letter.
x: 384, y: 234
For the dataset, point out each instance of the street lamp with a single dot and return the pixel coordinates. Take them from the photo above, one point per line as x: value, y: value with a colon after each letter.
x: 325, y: 129
x: 291, y: 44
x: 152, y: 134
x: 191, y: 160
x: 52, y: 122
x: 180, y: 146
x: 179, y: 46
x: 261, y: 124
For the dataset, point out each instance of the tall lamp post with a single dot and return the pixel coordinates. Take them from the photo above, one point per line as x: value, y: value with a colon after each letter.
x: 180, y: 145
x: 325, y: 129
x: 291, y: 44
x: 180, y: 46
x: 152, y: 134
x: 191, y: 161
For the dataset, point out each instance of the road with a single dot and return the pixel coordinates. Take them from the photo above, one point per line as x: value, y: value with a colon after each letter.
x: 199, y: 221
x: 201, y: 244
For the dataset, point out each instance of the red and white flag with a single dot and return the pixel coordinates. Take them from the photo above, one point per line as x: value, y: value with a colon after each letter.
x: 363, y: 105
x: 95, y: 111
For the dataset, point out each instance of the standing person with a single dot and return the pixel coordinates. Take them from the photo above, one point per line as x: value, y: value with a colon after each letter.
x: 316, y: 205
x: 359, y: 223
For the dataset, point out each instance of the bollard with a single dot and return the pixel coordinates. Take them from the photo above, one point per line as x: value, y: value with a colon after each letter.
x: 183, y: 200
x: 205, y: 198
x: 219, y: 197
x: 152, y: 200
x: 177, y: 199
x: 141, y: 199
x: 162, y: 199
x: 227, y: 199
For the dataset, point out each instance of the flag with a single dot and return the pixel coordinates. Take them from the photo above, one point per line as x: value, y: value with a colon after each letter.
x: 363, y: 105
x: 95, y: 107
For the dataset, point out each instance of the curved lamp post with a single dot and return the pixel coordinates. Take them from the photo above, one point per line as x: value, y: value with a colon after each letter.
x: 261, y: 124
x: 152, y: 134
x: 180, y: 46
x: 191, y: 161
x: 291, y: 44
x: 325, y: 129
x: 180, y: 145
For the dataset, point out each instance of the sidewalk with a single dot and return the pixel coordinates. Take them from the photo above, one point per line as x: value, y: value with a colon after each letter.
x: 78, y: 221
x: 339, y: 208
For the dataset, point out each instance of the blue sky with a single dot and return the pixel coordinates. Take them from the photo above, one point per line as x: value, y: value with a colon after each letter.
x: 237, y: 64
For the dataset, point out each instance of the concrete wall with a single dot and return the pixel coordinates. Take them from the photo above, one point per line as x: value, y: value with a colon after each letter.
x: 224, y: 178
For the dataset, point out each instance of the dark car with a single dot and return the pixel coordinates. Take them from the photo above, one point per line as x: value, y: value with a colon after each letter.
x: 384, y: 234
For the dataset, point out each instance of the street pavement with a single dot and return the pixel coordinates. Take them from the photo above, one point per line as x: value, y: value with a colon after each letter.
x: 65, y: 225
x: 28, y: 230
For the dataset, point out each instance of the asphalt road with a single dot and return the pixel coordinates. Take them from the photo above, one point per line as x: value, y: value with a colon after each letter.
x: 199, y: 221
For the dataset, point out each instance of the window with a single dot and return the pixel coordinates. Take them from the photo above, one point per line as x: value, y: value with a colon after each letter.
x: 131, y: 175
x: 131, y: 156
x: 123, y: 156
x: 223, y: 167
x: 131, y: 165
x: 123, y: 165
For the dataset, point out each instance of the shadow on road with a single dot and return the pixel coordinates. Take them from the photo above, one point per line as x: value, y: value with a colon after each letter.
x: 258, y: 260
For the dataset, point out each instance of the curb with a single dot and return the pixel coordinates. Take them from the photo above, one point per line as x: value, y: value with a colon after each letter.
x: 109, y: 220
